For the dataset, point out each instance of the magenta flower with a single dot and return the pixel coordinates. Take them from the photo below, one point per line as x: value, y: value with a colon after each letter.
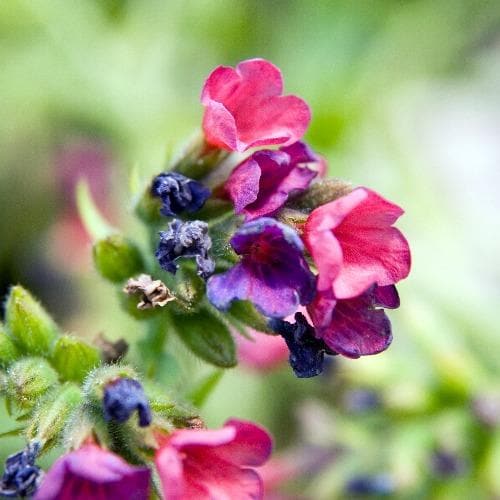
x: 358, y: 326
x: 244, y: 107
x: 214, y: 464
x: 92, y: 472
x: 261, y: 184
x: 354, y: 245
x: 272, y: 273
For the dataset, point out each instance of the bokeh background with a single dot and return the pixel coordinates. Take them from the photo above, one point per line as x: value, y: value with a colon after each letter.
x: 405, y: 99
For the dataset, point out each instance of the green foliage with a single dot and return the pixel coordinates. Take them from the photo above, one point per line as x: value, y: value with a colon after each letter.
x: 207, y: 336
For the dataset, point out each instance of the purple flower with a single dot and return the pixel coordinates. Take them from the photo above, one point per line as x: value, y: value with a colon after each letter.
x: 122, y: 397
x: 306, y: 351
x: 185, y: 239
x: 21, y: 476
x: 92, y: 472
x: 262, y: 184
x: 272, y: 273
x: 358, y: 326
x: 178, y: 193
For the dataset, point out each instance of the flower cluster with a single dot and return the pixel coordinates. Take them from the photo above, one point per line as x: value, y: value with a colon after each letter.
x: 259, y: 242
x: 293, y: 239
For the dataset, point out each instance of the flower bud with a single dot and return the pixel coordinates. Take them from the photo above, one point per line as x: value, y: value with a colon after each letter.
x: 28, y: 379
x: 21, y: 476
x: 27, y: 322
x: 8, y: 350
x: 117, y: 258
x: 98, y: 379
x: 73, y: 358
x: 51, y: 415
x: 124, y: 396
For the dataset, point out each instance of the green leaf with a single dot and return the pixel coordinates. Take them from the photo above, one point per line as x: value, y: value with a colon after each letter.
x: 207, y: 336
x: 73, y: 358
x: 245, y: 312
x: 13, y: 432
x: 95, y: 224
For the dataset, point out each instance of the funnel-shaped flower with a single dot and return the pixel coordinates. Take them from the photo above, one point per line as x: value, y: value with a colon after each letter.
x: 91, y: 472
x: 261, y: 184
x: 272, y: 273
x: 244, y: 107
x: 354, y: 245
x: 206, y: 464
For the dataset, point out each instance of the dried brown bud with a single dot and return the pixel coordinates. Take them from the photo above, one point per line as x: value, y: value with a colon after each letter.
x: 195, y: 423
x: 153, y: 292
x: 111, y: 352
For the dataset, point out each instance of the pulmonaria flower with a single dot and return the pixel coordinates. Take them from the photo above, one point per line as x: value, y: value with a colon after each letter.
x: 213, y: 464
x: 358, y: 326
x: 261, y: 352
x: 123, y: 397
x: 178, y: 193
x: 354, y: 244
x: 306, y: 351
x: 21, y: 476
x: 92, y: 472
x: 272, y: 273
x: 262, y: 184
x: 187, y: 240
x: 244, y: 107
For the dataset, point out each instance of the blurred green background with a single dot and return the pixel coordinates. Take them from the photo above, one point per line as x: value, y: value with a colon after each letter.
x: 405, y: 99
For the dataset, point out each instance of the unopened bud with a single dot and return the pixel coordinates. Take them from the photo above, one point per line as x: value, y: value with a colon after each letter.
x: 99, y: 378
x: 8, y: 350
x: 28, y: 379
x: 28, y: 324
x: 51, y: 415
x: 73, y: 358
x: 117, y: 258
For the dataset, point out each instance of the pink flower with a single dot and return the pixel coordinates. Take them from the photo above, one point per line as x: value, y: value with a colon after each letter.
x: 214, y: 464
x: 262, y: 184
x: 91, y: 472
x: 262, y: 352
x: 354, y: 245
x: 244, y: 107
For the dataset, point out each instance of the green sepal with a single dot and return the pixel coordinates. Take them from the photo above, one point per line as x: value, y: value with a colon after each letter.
x: 117, y: 258
x: 320, y: 193
x: 73, y: 358
x: 8, y: 350
x: 28, y: 379
x: 207, y: 336
x: 51, y: 414
x: 96, y: 381
x: 28, y: 324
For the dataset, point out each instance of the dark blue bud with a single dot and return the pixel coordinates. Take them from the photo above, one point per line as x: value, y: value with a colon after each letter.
x: 21, y: 477
x: 306, y: 351
x: 361, y: 400
x: 122, y: 397
x: 185, y: 239
x: 178, y: 193
x: 380, y: 484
